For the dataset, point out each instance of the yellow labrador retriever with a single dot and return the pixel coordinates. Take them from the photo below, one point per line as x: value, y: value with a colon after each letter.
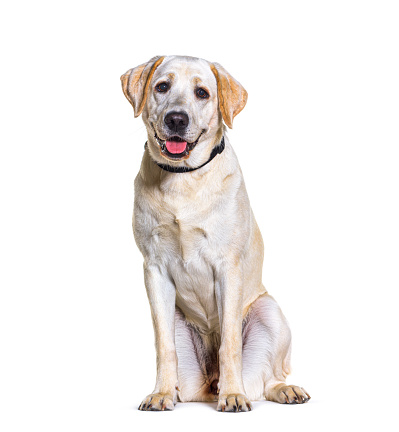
x: 219, y: 335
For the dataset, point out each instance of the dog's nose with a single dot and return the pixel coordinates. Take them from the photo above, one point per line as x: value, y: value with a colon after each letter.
x: 176, y: 121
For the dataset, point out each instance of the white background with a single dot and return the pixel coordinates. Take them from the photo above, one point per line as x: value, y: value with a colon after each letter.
x: 318, y: 145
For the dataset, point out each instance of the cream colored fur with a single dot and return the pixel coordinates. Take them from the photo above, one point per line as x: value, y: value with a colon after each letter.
x: 219, y: 335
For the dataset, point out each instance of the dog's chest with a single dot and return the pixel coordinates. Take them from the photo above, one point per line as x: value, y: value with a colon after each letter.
x: 181, y: 234
x: 181, y: 237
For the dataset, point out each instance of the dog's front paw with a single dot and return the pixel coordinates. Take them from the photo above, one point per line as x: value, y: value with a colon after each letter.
x: 157, y: 402
x: 234, y: 403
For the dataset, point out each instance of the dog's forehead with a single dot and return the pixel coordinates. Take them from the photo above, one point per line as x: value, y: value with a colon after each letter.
x: 186, y: 68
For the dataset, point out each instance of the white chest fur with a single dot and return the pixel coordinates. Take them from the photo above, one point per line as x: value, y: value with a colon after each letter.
x: 178, y: 234
x: 188, y: 225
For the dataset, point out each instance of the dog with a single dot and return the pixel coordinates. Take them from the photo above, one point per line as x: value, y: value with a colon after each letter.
x: 219, y: 335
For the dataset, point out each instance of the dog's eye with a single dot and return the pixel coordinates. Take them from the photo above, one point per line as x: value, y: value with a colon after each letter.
x: 201, y: 93
x: 162, y: 87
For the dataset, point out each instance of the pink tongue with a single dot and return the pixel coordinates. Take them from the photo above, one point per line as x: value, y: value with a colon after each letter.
x: 176, y: 147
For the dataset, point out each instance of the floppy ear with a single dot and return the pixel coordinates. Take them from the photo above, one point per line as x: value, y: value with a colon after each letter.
x: 232, y: 95
x: 136, y: 81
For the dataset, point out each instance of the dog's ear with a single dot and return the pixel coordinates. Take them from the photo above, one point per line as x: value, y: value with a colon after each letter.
x: 232, y: 95
x: 136, y: 81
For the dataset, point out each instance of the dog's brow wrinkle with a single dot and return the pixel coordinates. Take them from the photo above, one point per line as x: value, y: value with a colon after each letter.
x: 196, y: 79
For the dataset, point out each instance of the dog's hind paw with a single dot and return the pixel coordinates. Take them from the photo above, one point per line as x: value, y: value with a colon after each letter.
x: 157, y: 402
x: 288, y: 394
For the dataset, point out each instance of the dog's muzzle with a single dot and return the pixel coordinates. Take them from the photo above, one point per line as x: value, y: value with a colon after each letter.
x: 176, y: 148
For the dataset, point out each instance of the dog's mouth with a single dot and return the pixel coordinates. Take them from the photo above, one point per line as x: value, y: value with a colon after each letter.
x: 175, y: 148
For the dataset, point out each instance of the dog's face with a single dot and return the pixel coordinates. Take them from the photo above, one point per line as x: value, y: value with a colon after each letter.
x: 182, y: 106
x: 184, y: 101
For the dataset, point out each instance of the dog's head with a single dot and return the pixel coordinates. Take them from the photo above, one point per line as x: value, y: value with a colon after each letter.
x: 184, y: 101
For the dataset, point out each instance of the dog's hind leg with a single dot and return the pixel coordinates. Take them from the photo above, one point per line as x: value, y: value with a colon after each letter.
x: 197, y: 363
x: 266, y: 354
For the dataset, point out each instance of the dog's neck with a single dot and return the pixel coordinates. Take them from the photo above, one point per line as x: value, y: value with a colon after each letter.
x: 208, y: 179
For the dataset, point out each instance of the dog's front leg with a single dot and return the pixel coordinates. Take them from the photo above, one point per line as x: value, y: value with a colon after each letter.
x: 229, y: 301
x: 162, y: 296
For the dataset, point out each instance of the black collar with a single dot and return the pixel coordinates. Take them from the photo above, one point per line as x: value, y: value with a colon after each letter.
x: 182, y: 169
